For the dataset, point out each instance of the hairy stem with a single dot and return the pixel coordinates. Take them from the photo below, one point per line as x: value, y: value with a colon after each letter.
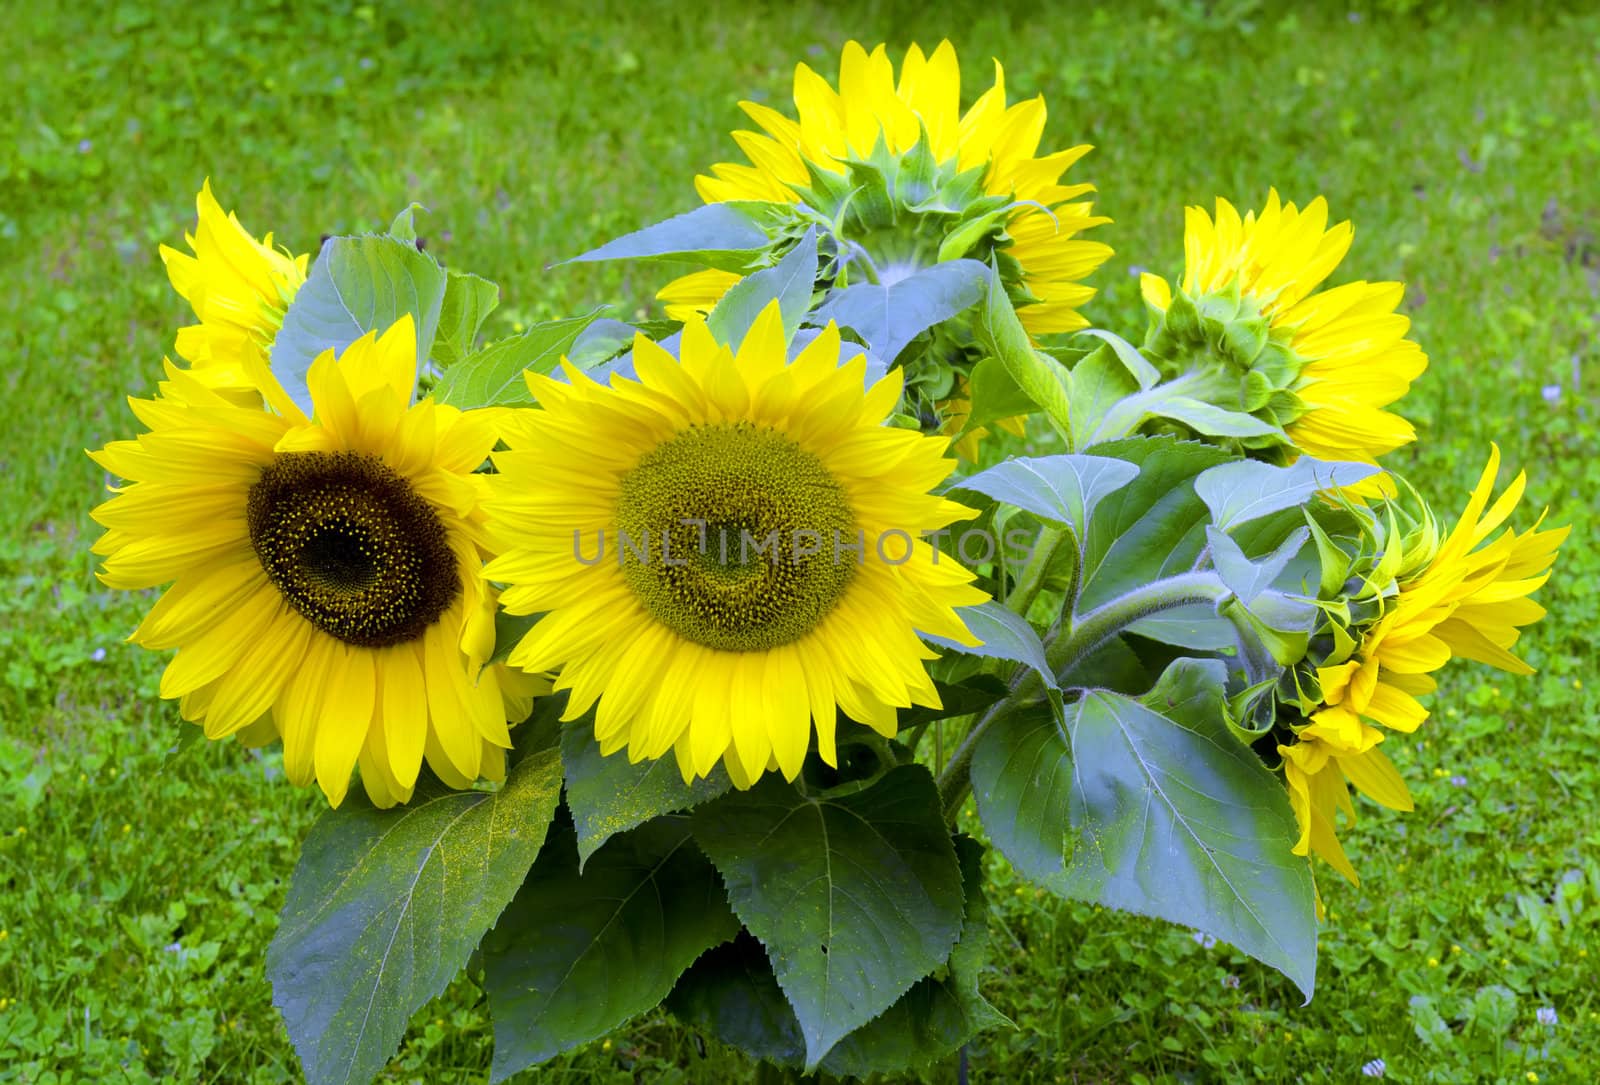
x: 1031, y: 579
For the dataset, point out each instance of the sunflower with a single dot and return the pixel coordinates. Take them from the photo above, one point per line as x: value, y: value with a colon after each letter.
x: 1349, y: 345
x: 324, y: 570
x: 989, y: 151
x: 729, y: 549
x: 1469, y: 599
x: 239, y: 288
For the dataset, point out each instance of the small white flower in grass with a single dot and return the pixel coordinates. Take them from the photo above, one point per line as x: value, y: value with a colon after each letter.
x: 1547, y: 1015
x: 1375, y: 1068
x: 98, y: 655
x: 1551, y: 393
x: 1204, y: 940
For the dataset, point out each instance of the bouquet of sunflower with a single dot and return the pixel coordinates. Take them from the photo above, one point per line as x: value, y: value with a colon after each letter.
x: 668, y: 654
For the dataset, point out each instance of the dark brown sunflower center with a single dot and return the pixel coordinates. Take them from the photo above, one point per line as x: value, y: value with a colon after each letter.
x: 352, y: 547
x: 736, y: 537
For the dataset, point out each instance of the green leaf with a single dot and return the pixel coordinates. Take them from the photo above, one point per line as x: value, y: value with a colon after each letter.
x: 607, y: 795
x: 994, y: 395
x: 509, y: 629
x: 1064, y: 489
x: 493, y: 376
x: 856, y: 897
x: 1279, y: 623
x: 468, y: 300
x: 1040, y: 376
x: 941, y: 1012
x: 386, y: 905
x: 188, y: 737
x: 720, y: 235
x: 731, y: 993
x: 574, y: 956
x: 1196, y: 626
x: 1101, y: 392
x: 404, y: 227
x: 1003, y: 634
x: 1237, y: 493
x: 1153, y: 527
x: 600, y: 342
x: 964, y: 698
x: 1245, y: 577
x: 789, y: 283
x: 1022, y: 781
x: 1152, y: 807
x: 889, y: 316
x: 1145, y: 374
x: 357, y: 285
x: 1172, y: 817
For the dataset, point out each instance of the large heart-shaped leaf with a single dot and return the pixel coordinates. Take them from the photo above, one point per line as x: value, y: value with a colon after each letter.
x: 1154, y: 526
x: 856, y: 897
x: 1002, y: 634
x: 789, y: 282
x: 608, y: 795
x: 732, y: 994
x: 576, y: 955
x: 889, y: 316
x: 1237, y: 493
x: 357, y: 285
x: 386, y: 905
x: 1150, y: 806
x: 941, y: 1012
x: 1064, y: 488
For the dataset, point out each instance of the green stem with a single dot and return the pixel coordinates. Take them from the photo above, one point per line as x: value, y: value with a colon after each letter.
x: 1107, y: 620
x: 1031, y: 580
x: 1067, y: 651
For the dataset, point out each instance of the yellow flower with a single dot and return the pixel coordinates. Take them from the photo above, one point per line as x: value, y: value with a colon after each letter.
x: 728, y: 549
x: 1469, y: 600
x: 239, y: 288
x: 1354, y: 356
x: 870, y: 111
x: 324, y: 570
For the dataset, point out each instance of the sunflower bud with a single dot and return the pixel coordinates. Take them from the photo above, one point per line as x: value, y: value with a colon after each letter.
x: 1245, y: 332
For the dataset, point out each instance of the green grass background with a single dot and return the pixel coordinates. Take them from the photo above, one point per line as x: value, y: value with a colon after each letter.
x: 137, y: 898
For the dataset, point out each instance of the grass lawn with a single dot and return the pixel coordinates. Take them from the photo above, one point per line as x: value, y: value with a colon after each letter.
x: 137, y: 894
